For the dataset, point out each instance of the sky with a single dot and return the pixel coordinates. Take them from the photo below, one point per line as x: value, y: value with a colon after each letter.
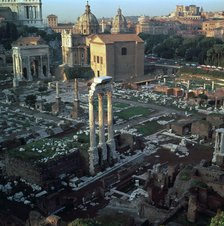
x: 69, y: 10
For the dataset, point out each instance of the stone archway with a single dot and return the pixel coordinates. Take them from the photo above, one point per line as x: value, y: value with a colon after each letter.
x: 44, y: 70
x: 25, y: 73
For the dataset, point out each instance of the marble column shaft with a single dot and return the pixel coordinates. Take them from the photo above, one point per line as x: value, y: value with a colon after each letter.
x: 93, y: 153
x: 110, y: 141
x: 102, y: 142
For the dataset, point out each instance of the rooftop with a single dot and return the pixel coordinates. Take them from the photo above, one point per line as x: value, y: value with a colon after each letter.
x: 112, y: 38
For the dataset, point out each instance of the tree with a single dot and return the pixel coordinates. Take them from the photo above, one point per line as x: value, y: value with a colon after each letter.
x: 218, y: 219
x: 78, y: 72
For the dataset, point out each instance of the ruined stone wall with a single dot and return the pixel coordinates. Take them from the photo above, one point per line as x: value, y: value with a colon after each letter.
x: 42, y: 173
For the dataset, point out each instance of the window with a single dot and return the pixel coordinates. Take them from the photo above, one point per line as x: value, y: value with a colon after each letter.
x: 124, y: 51
x: 94, y: 59
x: 101, y: 60
x: 98, y: 59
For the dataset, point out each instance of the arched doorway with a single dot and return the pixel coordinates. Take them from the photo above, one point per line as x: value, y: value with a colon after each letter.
x: 25, y: 73
x: 45, y: 70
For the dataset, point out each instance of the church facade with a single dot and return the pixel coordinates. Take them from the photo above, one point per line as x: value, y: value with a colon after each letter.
x: 75, y: 47
x: 26, y: 12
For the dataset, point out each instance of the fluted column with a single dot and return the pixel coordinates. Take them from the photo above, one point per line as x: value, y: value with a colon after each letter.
x: 102, y: 143
x: 93, y: 153
x: 110, y: 141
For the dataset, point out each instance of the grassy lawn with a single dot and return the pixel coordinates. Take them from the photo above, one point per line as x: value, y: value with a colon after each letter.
x: 120, y: 105
x: 149, y: 128
x: 133, y: 111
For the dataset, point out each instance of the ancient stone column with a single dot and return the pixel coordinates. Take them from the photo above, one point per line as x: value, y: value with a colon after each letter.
x: 213, y: 85
x: 217, y: 146
x: 93, y: 152
x: 41, y: 67
x: 57, y: 90
x: 188, y: 85
x: 102, y: 143
x: 216, y: 102
x: 76, y: 92
x: 110, y: 142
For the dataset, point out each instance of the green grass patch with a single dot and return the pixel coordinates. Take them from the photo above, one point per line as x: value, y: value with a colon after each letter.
x: 198, y: 183
x: 120, y: 105
x: 133, y: 111
x: 149, y: 128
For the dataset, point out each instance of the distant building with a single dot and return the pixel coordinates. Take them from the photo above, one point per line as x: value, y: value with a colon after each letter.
x: 75, y: 48
x: 52, y: 21
x: 30, y: 59
x: 87, y: 23
x: 214, y: 28
x: 120, y: 56
x: 119, y: 23
x: 25, y: 12
x: 7, y: 15
x: 156, y: 26
x: 189, y: 12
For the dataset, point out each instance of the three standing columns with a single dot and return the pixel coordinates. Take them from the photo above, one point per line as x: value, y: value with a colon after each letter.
x: 94, y: 159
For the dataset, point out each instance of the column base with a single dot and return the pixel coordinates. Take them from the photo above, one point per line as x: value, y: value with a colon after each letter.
x: 93, y: 160
x: 112, y: 150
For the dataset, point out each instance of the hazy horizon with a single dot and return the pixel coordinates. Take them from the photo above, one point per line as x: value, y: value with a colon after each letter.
x: 69, y: 10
